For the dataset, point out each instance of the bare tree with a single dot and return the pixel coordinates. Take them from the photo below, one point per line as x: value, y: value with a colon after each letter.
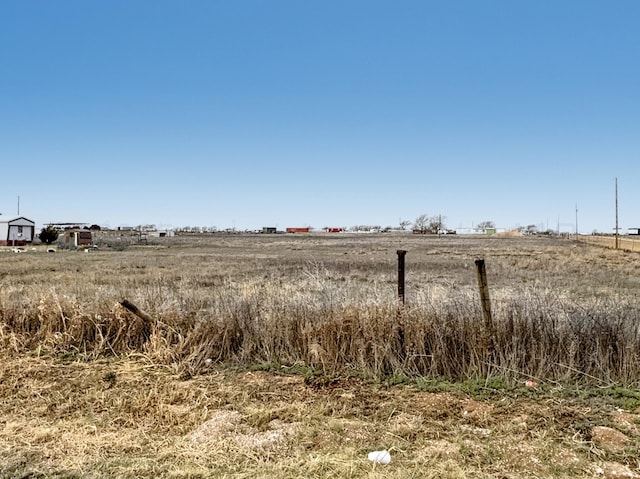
x: 421, y: 224
x: 436, y: 224
x: 404, y: 224
x: 483, y: 225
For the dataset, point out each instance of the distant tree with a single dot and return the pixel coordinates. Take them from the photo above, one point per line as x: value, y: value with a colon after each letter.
x: 49, y: 234
x: 483, y: 225
x: 531, y: 229
x: 421, y: 223
x: 436, y: 224
x: 95, y: 227
x: 429, y: 224
x: 404, y: 224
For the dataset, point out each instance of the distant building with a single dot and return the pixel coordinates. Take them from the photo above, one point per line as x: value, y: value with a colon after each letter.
x: 17, y: 232
x: 161, y: 234
x: 298, y: 230
x: 77, y: 237
x: 333, y: 230
x: 269, y: 230
x: 479, y: 231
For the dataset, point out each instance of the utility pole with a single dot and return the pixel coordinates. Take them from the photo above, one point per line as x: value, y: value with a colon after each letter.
x: 576, y: 220
x: 18, y: 205
x: 617, y: 228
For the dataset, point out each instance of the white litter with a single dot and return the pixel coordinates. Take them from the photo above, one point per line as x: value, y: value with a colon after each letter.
x: 381, y: 457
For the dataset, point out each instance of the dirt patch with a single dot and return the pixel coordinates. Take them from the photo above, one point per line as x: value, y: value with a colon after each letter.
x: 627, y: 421
x: 221, y: 425
x: 609, y: 438
x: 230, y: 426
x: 476, y: 411
x: 613, y: 470
x: 441, y: 449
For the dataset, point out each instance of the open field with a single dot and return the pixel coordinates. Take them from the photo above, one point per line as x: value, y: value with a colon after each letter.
x: 287, y: 356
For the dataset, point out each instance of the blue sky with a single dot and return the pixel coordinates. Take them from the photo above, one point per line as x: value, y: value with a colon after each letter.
x: 336, y: 113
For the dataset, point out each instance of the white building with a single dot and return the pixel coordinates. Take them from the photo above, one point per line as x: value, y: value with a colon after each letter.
x: 17, y: 232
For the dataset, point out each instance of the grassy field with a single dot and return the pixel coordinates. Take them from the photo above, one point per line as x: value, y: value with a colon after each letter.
x: 288, y: 356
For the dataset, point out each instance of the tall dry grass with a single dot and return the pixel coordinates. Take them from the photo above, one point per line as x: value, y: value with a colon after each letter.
x: 331, y: 306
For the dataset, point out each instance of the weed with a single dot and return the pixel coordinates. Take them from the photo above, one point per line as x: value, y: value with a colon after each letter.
x: 110, y: 379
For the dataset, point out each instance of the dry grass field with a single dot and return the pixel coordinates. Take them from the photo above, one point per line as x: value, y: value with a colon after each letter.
x: 288, y: 356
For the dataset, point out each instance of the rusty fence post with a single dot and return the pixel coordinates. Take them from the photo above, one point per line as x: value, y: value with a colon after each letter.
x: 401, y: 255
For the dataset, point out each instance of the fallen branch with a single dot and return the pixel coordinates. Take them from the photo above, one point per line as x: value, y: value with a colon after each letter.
x: 135, y: 310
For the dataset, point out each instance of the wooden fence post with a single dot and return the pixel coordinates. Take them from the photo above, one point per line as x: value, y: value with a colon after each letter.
x: 484, y: 295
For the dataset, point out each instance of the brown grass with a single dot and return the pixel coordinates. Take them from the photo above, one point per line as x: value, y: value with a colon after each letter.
x: 258, y: 359
x: 127, y: 417
x: 562, y: 311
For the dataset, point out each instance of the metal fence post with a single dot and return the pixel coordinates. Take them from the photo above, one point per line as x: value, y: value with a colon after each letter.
x: 401, y: 255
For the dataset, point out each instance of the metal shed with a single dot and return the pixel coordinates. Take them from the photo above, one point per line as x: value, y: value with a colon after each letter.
x: 17, y: 231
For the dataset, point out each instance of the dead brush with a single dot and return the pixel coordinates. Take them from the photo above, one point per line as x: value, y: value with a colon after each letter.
x: 537, y: 335
x: 332, y: 313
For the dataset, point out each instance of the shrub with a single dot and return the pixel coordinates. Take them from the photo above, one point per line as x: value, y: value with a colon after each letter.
x: 49, y: 234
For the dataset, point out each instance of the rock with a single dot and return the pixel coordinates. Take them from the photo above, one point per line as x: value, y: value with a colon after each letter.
x: 613, y: 470
x: 609, y: 438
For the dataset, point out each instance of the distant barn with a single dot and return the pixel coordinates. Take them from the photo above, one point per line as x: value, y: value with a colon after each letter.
x: 299, y: 230
x: 17, y: 232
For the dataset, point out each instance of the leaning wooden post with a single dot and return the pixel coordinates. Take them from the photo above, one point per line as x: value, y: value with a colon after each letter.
x: 147, y: 320
x: 401, y: 255
x: 484, y: 294
x: 125, y: 303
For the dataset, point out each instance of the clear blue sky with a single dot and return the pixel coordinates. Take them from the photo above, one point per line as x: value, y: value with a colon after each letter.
x: 251, y: 113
